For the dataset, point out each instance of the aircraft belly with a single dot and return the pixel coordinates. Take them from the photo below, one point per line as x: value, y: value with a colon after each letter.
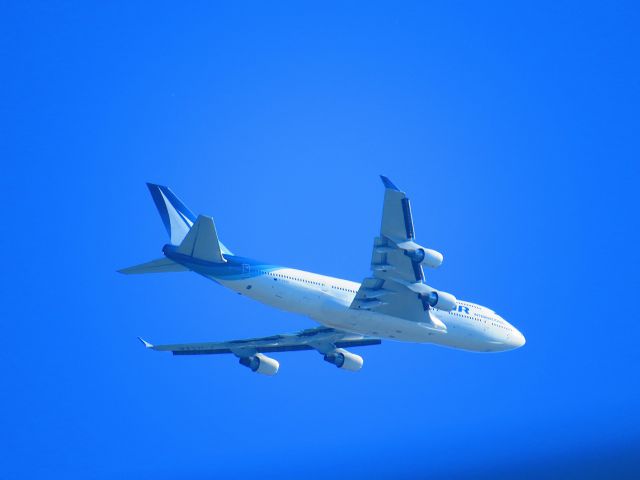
x: 373, y: 324
x: 378, y: 325
x: 276, y: 293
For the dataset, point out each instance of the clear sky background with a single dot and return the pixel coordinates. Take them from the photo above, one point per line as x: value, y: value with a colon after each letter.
x: 514, y: 130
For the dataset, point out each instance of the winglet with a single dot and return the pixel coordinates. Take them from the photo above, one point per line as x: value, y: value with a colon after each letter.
x: 388, y: 183
x: 145, y: 343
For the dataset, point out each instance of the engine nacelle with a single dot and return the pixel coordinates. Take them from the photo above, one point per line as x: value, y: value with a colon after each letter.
x: 260, y: 363
x: 433, y: 297
x: 345, y: 360
x: 440, y: 300
x: 426, y: 256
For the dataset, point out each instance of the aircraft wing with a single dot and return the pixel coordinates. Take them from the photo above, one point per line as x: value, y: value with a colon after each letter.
x: 322, y: 339
x: 397, y: 280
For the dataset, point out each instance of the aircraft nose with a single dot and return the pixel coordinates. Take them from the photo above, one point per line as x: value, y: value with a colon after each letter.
x: 518, y: 340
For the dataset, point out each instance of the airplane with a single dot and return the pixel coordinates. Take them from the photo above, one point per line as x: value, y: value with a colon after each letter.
x: 393, y: 303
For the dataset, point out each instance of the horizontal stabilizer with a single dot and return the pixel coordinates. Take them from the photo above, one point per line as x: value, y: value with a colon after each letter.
x: 202, y: 241
x: 161, y: 265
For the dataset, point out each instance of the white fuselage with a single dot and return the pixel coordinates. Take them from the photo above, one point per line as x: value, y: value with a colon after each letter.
x: 326, y: 300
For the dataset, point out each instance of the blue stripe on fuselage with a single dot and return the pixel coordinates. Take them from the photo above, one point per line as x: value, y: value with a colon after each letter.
x: 235, y: 268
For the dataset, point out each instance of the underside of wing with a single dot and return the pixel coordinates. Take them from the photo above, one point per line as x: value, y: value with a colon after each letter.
x: 327, y: 341
x: 311, y: 339
x: 397, y: 286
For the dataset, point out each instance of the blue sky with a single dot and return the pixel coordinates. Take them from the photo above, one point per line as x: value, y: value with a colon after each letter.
x: 512, y: 128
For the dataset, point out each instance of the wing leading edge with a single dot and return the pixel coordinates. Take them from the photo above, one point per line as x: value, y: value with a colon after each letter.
x: 321, y: 339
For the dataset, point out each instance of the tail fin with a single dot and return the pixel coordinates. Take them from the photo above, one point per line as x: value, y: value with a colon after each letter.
x: 176, y: 216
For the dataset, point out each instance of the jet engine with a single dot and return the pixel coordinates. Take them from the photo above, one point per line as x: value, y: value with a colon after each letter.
x: 440, y: 300
x: 343, y: 359
x: 260, y: 363
x: 433, y: 297
x: 426, y: 256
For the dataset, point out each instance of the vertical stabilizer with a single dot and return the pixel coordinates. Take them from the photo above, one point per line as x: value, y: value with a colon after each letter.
x: 176, y: 216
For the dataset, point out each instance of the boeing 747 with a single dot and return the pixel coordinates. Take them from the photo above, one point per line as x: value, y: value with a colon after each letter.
x: 393, y: 303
